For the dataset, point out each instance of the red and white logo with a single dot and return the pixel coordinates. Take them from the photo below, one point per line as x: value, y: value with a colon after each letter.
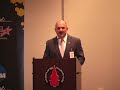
x: 5, y: 31
x: 54, y: 76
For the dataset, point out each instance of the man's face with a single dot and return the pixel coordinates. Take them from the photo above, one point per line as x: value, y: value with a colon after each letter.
x: 61, y: 29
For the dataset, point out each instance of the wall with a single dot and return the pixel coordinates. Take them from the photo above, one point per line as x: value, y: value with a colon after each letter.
x: 95, y: 22
x: 40, y: 17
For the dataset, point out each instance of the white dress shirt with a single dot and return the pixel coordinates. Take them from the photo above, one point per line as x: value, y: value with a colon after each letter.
x: 62, y: 45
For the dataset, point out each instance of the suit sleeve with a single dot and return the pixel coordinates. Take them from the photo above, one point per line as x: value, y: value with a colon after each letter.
x: 79, y: 52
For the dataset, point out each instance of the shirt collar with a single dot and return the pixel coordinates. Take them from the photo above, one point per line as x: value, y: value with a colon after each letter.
x: 64, y: 39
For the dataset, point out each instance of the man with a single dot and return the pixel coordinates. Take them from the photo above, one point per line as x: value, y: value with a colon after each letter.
x: 64, y: 45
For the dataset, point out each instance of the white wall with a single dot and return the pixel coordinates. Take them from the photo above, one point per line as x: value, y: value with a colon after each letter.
x: 95, y: 22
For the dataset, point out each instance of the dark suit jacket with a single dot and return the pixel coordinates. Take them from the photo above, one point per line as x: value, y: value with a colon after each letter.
x: 73, y: 44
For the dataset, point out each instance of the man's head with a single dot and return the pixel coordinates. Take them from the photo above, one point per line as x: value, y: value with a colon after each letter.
x: 61, y: 28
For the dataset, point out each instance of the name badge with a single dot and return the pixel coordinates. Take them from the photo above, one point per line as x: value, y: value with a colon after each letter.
x: 71, y: 54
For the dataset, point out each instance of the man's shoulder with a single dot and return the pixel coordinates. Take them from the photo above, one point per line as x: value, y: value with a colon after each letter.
x: 51, y: 40
x: 73, y: 37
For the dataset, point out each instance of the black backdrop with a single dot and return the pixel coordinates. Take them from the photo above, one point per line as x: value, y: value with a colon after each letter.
x: 11, y: 45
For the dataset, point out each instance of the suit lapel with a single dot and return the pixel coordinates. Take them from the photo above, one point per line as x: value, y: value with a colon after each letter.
x: 68, y: 46
x: 57, y: 48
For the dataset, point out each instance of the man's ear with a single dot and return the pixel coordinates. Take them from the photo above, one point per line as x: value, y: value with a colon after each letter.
x: 67, y: 28
x: 55, y: 29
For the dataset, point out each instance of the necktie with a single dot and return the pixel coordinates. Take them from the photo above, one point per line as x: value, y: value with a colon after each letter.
x: 62, y: 48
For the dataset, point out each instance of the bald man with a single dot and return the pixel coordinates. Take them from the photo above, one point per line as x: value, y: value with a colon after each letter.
x: 64, y: 45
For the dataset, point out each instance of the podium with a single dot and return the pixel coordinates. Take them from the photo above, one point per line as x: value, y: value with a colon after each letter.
x: 52, y: 74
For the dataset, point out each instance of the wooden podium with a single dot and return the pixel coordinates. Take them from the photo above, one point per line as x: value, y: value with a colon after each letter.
x: 54, y: 74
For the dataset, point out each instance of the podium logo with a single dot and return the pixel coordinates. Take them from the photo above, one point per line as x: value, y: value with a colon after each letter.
x: 2, y: 73
x: 54, y: 76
